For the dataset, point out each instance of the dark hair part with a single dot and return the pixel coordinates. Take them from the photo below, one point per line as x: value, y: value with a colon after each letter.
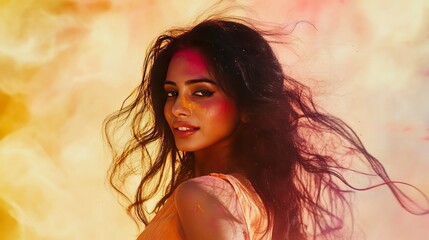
x: 290, y: 146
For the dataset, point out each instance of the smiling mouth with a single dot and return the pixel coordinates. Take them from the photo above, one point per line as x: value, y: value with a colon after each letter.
x: 182, y: 132
x: 186, y: 129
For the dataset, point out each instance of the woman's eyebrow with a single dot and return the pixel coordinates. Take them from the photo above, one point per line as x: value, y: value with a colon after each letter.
x: 192, y: 81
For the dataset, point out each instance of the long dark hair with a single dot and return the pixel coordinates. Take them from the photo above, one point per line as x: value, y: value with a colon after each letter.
x: 294, y: 153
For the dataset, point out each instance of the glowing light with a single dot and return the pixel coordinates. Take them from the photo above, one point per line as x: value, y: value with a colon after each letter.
x: 66, y: 64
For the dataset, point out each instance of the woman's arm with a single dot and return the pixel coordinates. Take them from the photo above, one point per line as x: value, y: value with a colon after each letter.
x: 208, y: 208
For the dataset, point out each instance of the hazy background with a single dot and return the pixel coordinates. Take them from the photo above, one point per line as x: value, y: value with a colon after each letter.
x: 65, y: 65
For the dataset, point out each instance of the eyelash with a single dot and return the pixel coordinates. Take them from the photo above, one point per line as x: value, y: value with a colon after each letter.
x: 199, y: 93
x: 204, y: 93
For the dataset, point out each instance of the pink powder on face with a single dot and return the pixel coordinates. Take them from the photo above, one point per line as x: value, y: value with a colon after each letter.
x: 199, y: 64
x: 219, y: 108
x: 214, y: 115
x: 216, y: 108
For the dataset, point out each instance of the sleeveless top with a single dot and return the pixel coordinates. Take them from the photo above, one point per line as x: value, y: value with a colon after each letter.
x: 166, y: 224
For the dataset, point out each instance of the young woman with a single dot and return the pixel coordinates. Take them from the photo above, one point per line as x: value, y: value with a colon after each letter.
x: 237, y: 149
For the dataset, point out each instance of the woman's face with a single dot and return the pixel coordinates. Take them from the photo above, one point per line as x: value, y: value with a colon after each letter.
x: 199, y: 113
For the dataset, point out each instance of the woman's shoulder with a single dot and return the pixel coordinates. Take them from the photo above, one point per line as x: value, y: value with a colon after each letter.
x: 225, y: 196
x: 215, y: 185
x: 209, y: 204
x: 207, y: 188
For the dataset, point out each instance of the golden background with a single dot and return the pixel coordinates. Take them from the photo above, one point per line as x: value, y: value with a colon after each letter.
x: 65, y: 65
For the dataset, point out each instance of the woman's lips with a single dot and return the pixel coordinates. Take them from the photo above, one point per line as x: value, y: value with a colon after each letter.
x: 184, y: 130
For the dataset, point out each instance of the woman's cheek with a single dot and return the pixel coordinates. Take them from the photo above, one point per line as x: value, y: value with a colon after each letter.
x: 220, y: 110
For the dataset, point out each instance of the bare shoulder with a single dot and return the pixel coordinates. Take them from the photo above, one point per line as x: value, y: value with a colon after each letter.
x: 206, y: 185
x: 208, y: 208
x: 208, y: 190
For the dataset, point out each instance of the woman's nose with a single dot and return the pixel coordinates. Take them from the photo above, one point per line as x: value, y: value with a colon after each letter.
x: 181, y: 106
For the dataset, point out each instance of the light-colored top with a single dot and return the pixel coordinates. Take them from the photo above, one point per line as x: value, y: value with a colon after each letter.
x: 166, y: 224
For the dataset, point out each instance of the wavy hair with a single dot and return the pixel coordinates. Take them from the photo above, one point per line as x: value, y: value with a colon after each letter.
x: 295, y: 154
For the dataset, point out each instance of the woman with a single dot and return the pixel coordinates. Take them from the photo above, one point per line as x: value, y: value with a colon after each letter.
x: 237, y: 149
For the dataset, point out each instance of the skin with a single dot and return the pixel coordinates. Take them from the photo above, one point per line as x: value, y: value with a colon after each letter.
x: 207, y: 206
x: 194, y: 98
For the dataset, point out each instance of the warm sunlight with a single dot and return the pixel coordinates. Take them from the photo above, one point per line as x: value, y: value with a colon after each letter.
x: 65, y: 65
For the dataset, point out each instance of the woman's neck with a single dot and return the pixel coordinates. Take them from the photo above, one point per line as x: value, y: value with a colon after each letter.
x: 215, y: 161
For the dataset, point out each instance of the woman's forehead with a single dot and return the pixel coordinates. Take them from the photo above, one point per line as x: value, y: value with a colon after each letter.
x: 191, y: 55
x: 194, y: 60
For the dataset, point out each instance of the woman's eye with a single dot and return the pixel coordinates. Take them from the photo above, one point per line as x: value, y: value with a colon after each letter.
x: 170, y: 93
x: 203, y: 93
